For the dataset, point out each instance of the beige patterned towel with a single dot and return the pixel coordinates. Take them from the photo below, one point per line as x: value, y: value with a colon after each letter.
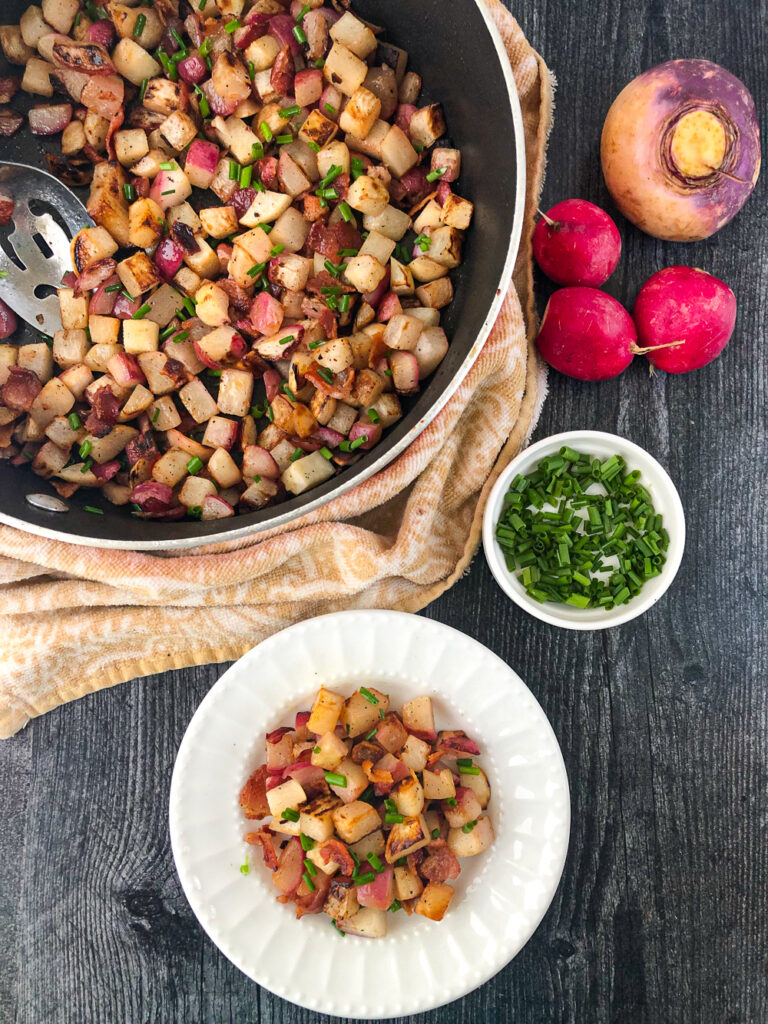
x: 76, y: 619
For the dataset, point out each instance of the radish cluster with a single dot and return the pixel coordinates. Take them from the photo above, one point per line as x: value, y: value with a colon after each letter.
x: 682, y: 319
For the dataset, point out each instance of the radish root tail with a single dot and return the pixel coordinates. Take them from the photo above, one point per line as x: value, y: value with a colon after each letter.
x: 636, y: 350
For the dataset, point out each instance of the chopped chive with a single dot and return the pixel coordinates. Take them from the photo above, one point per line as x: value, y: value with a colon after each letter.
x: 129, y: 192
x: 257, y: 150
x: 375, y: 863
x: 128, y: 295
x: 418, y: 147
x: 194, y: 465
x: 345, y: 210
x: 370, y: 697
x: 246, y: 173
x: 304, y: 10
x: 365, y: 877
x: 234, y: 170
x: 332, y: 268
x: 232, y: 26
x: 469, y: 826
x: 205, y: 46
x: 452, y: 801
x: 310, y: 867
x: 266, y: 131
x: 329, y: 108
x: 373, y: 416
x: 244, y: 869
x: 284, y: 140
x: 86, y: 466
x: 275, y: 251
x: 290, y: 814
x: 357, y: 167
x: 315, y: 344
x: 167, y: 165
x: 85, y: 449
x: 169, y: 192
x: 344, y: 302
x: 394, y: 819
x: 141, y: 312
x: 256, y: 269
x: 437, y: 173
x: 306, y: 842
x: 334, y: 779
x: 74, y: 421
x: 469, y: 770
x: 288, y: 112
x: 326, y: 375
x: 141, y: 22
x: 326, y: 453
x: 299, y: 34
x: 435, y: 833
x: 423, y: 241
x: 371, y: 735
x: 181, y: 44
x: 394, y: 906
x: 113, y: 288
x: 336, y: 926
x: 319, y: 63
x: 93, y: 510
x: 4, y: 274
x: 314, y: 147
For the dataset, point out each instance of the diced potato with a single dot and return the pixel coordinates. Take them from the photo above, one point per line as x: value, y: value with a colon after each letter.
x: 235, y: 392
x: 145, y: 224
x: 70, y: 347
x: 438, y: 785
x: 329, y: 867
x: 354, y: 34
x: 131, y: 145
x: 355, y: 820
x: 336, y: 355
x: 171, y: 468
x: 178, y: 130
x: 389, y: 409
x: 378, y: 246
x: 204, y: 262
x: 256, y: 243
x: 403, y: 332
x: 291, y: 271
x: 106, y: 381
x: 479, y: 786
x: 325, y: 711
x: 219, y: 221
x: 406, y: 837
x: 341, y: 902
x: 212, y: 304
x: 367, y: 388
x: 429, y: 217
x: 429, y: 317
x: 288, y: 794
x: 262, y: 52
x: 360, y: 114
x: 33, y: 26
x: 391, y: 222
x: 364, y: 273
x: 434, y: 901
x: 410, y: 87
x: 397, y: 153
x: 435, y: 294
x: 99, y: 355
x: 457, y: 212
x: 372, y: 843
x: 290, y: 230
x: 415, y: 753
x: 368, y: 195
x: 240, y: 140
x: 163, y: 305
x: 61, y: 14
x: 223, y: 468
x: 469, y: 844
x: 104, y: 449
x: 409, y: 797
x: 407, y: 884
x: 373, y: 143
x: 73, y: 309
x: 55, y: 399
x: 316, y: 819
x: 329, y: 752
x: 368, y: 922
x: 344, y: 70
x: 162, y: 95
x: 91, y: 245
x: 138, y: 274
x: 37, y: 77
x: 195, y: 490
x: 266, y: 208
x: 359, y: 715
x: 356, y: 778
x: 50, y: 460
x: 134, y: 63
x: 140, y: 336
x: 105, y: 330
x: 197, y: 401
x: 141, y: 399
x: 466, y: 809
x: 306, y: 473
x: 60, y: 431
x: 424, y: 268
x: 334, y: 154
x: 427, y: 125
x: 446, y: 246
x: 73, y: 138
x: 292, y: 178
x: 163, y: 414
x: 15, y: 49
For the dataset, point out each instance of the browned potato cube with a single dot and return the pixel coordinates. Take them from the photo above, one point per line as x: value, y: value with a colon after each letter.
x: 344, y: 69
x: 360, y: 114
x: 457, y: 212
x: 355, y: 820
x: 434, y: 901
x: 406, y: 837
x: 138, y: 274
x: 359, y: 715
x: 318, y: 129
x: 435, y: 294
x: 325, y: 711
x: 427, y: 125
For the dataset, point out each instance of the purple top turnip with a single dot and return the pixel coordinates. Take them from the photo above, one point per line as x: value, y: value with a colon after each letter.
x: 681, y: 149
x: 577, y: 243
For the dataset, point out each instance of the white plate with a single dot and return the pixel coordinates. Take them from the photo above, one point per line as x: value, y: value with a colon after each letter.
x: 501, y: 896
x: 666, y: 501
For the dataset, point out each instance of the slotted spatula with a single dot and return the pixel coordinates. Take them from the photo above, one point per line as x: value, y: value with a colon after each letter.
x: 40, y: 244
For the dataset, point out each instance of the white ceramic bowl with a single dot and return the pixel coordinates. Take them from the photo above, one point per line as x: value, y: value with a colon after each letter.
x: 501, y: 896
x: 666, y: 501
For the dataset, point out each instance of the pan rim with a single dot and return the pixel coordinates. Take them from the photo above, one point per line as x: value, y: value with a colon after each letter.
x: 388, y: 456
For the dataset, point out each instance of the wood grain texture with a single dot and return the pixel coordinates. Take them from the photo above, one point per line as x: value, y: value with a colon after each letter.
x: 661, y: 915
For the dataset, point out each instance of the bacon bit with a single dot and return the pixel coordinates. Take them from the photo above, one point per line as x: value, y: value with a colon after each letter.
x: 377, y: 776
x: 114, y: 125
x: 322, y: 280
x: 6, y: 435
x: 457, y: 739
x: 253, y: 795
x: 439, y: 753
x: 9, y: 86
x: 263, y: 838
x: 268, y: 171
x: 336, y: 851
x: 105, y: 410
x: 413, y: 860
x: 7, y: 206
x: 63, y: 488
x: 312, y: 902
x: 330, y: 239
x: 414, y: 210
x: 21, y: 389
x: 313, y: 209
x: 340, y: 388
x: 283, y: 73
x: 440, y: 864
x: 142, y: 446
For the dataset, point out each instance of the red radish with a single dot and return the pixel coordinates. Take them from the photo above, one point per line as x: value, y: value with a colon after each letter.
x: 576, y: 243
x: 388, y: 307
x: 50, y: 118
x: 8, y: 321
x: 123, y: 308
x: 102, y: 32
x: 221, y: 432
x: 681, y: 149
x: 288, y: 874
x: 330, y: 102
x: 686, y: 316
x: 587, y: 334
x: 380, y: 892
x: 266, y: 314
x: 168, y: 258
x: 125, y: 370
x: 281, y: 26
x: 170, y: 188
x: 215, y: 508
x: 102, y: 302
x: 192, y: 69
x: 258, y: 461
x: 371, y: 431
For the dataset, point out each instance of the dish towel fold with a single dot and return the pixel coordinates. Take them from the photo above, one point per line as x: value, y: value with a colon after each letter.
x: 76, y: 619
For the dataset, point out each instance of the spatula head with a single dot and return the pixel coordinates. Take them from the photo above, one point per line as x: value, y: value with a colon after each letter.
x: 34, y: 255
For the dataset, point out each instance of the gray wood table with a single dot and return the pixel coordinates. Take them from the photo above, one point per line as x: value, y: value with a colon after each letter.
x: 661, y: 913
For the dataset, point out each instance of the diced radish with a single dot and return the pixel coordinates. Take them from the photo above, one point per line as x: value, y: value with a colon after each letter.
x: 330, y: 102
x: 152, y: 496
x: 380, y: 892
x: 201, y: 162
x: 291, y: 866
x: 168, y: 258
x: 192, y: 69
x: 102, y: 302
x: 388, y: 307
x: 259, y: 462
x: 102, y: 32
x: 374, y: 298
x: 220, y: 433
x: 329, y: 438
x: 266, y: 314
x: 370, y: 430
x: 308, y: 87
x: 125, y: 370
x: 279, y: 751
x: 124, y: 308
x: 104, y: 471
x: 215, y: 508
x: 272, y: 381
x: 281, y: 26
x: 170, y: 188
x: 50, y: 119
x: 405, y: 372
x: 430, y: 350
x: 403, y: 116
x: 220, y: 345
